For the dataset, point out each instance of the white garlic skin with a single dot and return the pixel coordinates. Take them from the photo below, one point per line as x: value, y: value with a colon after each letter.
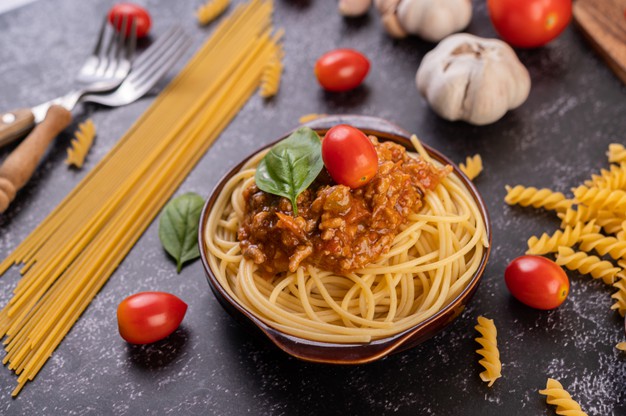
x: 472, y: 79
x: 433, y: 20
x: 354, y: 8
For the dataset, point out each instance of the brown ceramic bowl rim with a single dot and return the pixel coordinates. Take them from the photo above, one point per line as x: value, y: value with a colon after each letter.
x: 340, y: 353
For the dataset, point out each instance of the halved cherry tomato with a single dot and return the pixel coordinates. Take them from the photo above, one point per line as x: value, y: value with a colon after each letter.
x: 537, y: 282
x: 147, y: 317
x: 341, y: 69
x: 529, y: 23
x: 349, y: 156
x: 132, y: 12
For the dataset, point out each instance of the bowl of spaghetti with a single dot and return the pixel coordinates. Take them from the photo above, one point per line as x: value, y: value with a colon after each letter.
x: 343, y: 286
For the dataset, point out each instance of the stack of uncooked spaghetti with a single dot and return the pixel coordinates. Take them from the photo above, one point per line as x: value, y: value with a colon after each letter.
x: 72, y: 253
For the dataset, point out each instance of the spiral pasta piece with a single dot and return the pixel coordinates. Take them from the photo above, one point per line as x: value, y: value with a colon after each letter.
x: 613, y: 200
x: 270, y: 80
x: 310, y: 117
x: 566, y: 238
x: 537, y: 198
x: 211, y: 10
x: 575, y: 214
x: 611, y: 222
x: 616, y: 153
x: 615, y: 178
x: 83, y: 139
x: 621, y: 346
x: 559, y: 397
x: 489, y: 350
x: 585, y: 264
x: 603, y: 245
x: 620, y: 295
x: 472, y: 167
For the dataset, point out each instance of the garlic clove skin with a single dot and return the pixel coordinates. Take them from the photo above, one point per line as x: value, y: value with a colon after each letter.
x: 393, y: 26
x: 386, y: 6
x: 433, y: 20
x: 354, y: 8
x: 472, y: 79
x: 389, y: 18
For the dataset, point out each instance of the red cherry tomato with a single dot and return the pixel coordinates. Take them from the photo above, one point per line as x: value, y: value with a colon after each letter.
x: 132, y: 12
x: 349, y: 156
x: 341, y: 69
x: 147, y: 317
x: 529, y: 23
x: 537, y: 282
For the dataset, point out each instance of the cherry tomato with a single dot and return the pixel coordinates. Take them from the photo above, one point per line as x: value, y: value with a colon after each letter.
x: 529, y: 23
x: 147, y: 317
x: 349, y: 156
x: 132, y: 12
x: 537, y: 282
x: 341, y: 69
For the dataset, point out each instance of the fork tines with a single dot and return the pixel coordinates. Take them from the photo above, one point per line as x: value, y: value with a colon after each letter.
x: 112, y: 56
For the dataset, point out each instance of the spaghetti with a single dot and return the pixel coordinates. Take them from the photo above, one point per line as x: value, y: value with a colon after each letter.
x: 72, y: 253
x: 429, y: 264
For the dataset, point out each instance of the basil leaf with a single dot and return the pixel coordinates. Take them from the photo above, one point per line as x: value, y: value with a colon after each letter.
x: 178, y: 227
x: 291, y: 165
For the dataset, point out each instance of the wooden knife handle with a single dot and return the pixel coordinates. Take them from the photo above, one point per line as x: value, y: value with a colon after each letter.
x: 15, y: 124
x: 19, y: 166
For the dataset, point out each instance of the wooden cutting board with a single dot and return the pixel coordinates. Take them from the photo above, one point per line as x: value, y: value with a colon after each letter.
x: 603, y: 22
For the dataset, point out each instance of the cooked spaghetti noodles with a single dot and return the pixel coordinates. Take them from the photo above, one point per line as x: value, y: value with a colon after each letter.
x: 429, y: 264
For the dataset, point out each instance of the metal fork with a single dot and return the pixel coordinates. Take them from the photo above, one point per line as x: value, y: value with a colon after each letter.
x: 104, y: 70
x: 19, y: 166
x: 148, y: 69
x: 110, y: 63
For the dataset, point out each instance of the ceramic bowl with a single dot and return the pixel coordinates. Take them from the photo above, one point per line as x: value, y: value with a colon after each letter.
x: 335, y: 353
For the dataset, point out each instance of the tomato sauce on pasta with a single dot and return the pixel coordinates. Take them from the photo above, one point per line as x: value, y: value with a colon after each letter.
x: 337, y: 228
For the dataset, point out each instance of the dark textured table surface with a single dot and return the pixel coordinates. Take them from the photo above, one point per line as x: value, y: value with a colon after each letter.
x: 213, y: 366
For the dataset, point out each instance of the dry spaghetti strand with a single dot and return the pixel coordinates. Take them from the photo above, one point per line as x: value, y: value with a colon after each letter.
x: 74, y: 251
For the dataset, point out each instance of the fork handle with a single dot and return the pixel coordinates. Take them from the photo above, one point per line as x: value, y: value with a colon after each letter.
x: 15, y: 124
x: 21, y: 163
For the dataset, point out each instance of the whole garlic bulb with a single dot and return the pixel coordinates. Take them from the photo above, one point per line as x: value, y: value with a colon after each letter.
x: 353, y: 8
x: 472, y: 79
x: 432, y: 20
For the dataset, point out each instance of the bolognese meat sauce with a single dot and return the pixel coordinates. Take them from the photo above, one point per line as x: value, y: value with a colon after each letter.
x: 338, y: 228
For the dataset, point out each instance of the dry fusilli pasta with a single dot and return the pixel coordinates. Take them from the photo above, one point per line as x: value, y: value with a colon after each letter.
x: 567, y: 238
x: 613, y: 200
x: 489, y: 350
x: 616, y: 153
x: 310, y: 117
x: 81, y: 144
x: 620, y: 295
x: 270, y: 81
x: 585, y: 264
x: 211, y: 10
x: 615, y: 178
x: 611, y: 222
x: 538, y: 198
x: 559, y: 397
x: 621, y: 346
x: 575, y: 214
x: 603, y: 245
x: 472, y: 167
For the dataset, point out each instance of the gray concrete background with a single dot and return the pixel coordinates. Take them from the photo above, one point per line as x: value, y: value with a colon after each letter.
x: 213, y: 366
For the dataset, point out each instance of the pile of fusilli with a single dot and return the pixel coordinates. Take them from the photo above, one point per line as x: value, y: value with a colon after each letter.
x: 594, y: 220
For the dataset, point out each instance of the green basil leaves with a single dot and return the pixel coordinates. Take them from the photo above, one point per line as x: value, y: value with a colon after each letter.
x: 178, y: 227
x: 291, y: 165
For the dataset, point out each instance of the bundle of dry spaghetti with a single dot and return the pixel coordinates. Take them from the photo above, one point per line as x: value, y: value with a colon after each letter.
x: 72, y: 253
